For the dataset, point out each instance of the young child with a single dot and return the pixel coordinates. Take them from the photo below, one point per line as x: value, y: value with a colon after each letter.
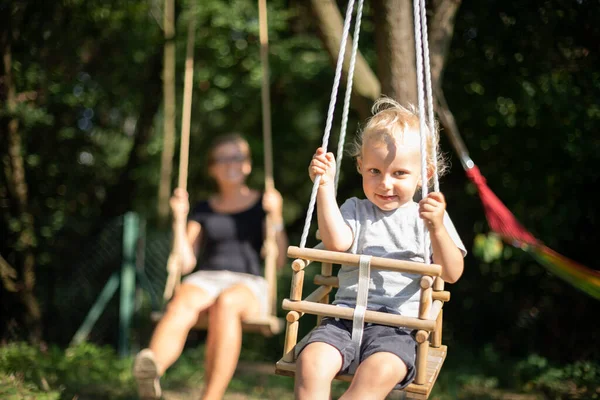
x: 385, y: 224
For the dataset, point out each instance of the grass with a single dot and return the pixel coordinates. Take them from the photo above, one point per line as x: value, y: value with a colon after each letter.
x: 89, y: 372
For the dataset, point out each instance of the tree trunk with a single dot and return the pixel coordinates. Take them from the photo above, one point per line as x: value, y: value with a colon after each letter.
x: 166, y: 167
x: 441, y: 30
x: 17, y: 184
x: 395, y: 43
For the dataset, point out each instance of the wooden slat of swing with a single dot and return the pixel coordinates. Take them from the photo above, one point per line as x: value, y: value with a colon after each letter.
x: 268, y: 325
x: 327, y: 256
x: 435, y: 360
x: 333, y: 281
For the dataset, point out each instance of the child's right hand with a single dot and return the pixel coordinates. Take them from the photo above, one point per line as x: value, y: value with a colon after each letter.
x: 322, y: 164
x: 180, y: 204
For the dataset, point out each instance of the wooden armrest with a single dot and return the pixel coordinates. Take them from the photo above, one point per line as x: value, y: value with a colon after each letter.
x: 335, y: 257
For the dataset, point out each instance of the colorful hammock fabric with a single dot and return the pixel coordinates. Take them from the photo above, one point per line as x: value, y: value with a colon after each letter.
x: 504, y: 223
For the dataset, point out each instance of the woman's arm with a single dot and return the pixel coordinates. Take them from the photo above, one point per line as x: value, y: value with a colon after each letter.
x: 282, y: 242
x: 186, y: 241
x: 273, y: 206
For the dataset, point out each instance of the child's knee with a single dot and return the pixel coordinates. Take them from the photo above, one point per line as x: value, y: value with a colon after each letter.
x: 385, y: 367
x: 319, y: 360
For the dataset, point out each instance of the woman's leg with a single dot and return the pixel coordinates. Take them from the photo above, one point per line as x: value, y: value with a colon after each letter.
x: 317, y: 365
x: 375, y: 377
x: 168, y: 339
x: 172, y: 330
x: 224, y: 339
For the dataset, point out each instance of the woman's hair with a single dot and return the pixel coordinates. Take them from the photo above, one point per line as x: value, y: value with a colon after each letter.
x: 390, y: 119
x: 232, y: 137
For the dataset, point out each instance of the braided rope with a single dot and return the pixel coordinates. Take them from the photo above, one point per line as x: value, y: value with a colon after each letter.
x: 429, y: 94
x: 332, y: 101
x: 422, y: 123
x: 342, y: 138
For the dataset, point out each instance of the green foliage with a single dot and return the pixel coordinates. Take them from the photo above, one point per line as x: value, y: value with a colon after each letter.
x: 13, y: 388
x: 488, y: 247
x: 92, y: 372
x: 580, y: 380
x: 87, y: 371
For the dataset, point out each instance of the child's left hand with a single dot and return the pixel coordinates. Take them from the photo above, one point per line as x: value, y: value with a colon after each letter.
x: 431, y: 209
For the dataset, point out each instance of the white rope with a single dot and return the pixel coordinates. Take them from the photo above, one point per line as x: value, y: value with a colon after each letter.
x: 429, y: 94
x: 332, y: 100
x: 422, y: 124
x: 358, y: 318
x: 350, y: 81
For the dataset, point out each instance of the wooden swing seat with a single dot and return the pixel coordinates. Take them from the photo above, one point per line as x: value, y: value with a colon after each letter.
x: 266, y: 325
x: 430, y: 352
x: 435, y: 359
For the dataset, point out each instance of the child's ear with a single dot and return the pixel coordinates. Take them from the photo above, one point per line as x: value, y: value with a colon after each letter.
x: 430, y: 171
x: 358, y: 164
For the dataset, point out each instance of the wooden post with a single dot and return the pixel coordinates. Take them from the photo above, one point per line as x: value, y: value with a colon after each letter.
x: 436, y: 340
x: 291, y: 336
x: 422, y: 353
x: 326, y: 270
x: 297, y: 283
x: 299, y: 264
x: 425, y: 303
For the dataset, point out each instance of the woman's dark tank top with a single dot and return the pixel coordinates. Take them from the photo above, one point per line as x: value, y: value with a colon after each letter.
x: 230, y: 241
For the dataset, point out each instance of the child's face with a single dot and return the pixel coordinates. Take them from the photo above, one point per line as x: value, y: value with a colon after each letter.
x: 230, y: 163
x: 391, y: 170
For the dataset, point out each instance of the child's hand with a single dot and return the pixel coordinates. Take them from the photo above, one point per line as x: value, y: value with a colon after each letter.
x: 179, y: 204
x: 322, y: 164
x: 431, y: 209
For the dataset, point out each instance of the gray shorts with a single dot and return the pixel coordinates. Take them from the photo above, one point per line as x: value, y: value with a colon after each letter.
x: 376, y: 338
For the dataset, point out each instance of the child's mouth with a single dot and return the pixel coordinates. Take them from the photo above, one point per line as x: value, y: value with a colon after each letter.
x: 387, y: 198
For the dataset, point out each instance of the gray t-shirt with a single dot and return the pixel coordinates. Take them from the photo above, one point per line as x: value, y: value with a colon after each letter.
x: 396, y: 234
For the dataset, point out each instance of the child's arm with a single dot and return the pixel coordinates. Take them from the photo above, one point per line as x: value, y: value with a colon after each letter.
x: 335, y: 234
x: 445, y: 252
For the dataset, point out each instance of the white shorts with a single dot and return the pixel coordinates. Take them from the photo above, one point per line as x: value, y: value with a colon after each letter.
x: 214, y: 282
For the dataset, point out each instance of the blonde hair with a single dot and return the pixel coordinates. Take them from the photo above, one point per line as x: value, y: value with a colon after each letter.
x: 388, y: 114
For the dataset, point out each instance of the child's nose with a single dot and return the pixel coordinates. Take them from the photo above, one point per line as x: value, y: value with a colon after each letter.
x: 386, y: 181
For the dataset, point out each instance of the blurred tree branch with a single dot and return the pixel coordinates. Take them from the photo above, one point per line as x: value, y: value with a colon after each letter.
x: 17, y: 184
